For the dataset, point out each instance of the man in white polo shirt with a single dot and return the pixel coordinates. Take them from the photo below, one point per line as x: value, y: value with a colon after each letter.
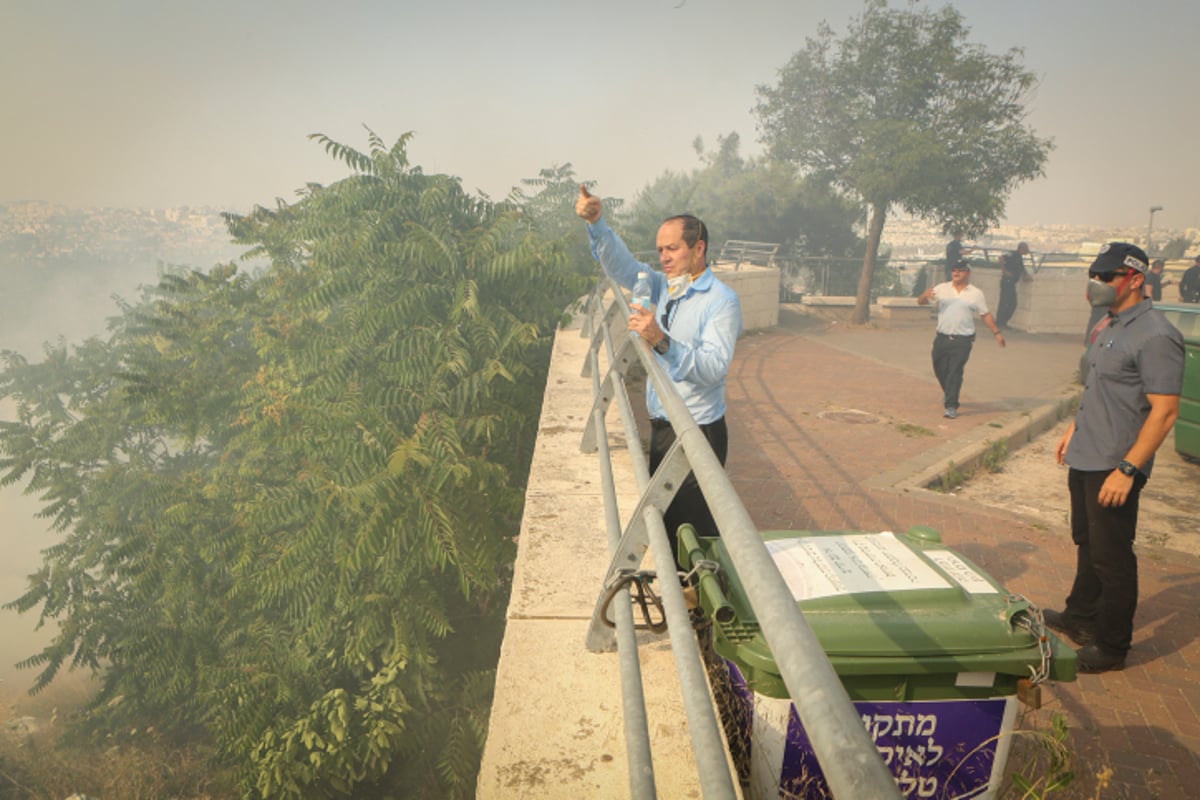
x: 957, y: 304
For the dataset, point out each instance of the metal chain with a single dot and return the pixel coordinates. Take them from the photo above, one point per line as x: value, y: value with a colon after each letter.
x: 1030, y: 618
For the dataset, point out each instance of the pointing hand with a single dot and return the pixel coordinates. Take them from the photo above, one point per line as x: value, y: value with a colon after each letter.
x: 587, y: 206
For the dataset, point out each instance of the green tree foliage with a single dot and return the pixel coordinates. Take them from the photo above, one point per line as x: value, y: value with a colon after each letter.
x: 288, y: 500
x: 905, y: 111
x: 1177, y: 247
x: 757, y: 199
x: 547, y: 203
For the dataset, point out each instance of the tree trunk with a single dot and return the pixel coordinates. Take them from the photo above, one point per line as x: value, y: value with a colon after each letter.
x: 862, y: 301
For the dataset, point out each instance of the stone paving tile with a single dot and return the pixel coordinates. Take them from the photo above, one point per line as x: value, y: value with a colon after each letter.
x: 800, y: 461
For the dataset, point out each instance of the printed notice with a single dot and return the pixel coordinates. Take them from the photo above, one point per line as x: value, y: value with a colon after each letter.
x: 826, y: 566
x: 962, y: 572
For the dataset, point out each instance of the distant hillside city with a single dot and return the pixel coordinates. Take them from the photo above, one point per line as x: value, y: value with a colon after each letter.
x: 64, y: 269
x: 916, y: 238
x: 40, y: 234
x: 48, y: 234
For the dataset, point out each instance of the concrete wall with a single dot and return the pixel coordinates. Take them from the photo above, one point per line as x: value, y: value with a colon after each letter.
x: 557, y: 724
x: 1054, y: 301
x: 1051, y: 301
x: 757, y: 288
x: 895, y: 312
x: 887, y: 312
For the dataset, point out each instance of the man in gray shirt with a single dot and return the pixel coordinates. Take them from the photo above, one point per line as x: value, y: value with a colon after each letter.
x: 1130, y: 401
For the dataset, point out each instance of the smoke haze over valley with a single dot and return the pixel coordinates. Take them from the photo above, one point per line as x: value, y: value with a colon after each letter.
x: 134, y: 104
x: 115, y: 110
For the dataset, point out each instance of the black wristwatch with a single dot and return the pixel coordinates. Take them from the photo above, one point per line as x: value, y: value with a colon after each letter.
x: 664, y: 344
x: 1127, y: 468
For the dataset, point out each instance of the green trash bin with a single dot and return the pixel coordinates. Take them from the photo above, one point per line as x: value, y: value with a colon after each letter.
x: 931, y: 650
x: 1186, y: 317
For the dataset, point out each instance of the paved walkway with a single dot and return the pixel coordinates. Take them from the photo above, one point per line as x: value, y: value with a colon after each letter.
x: 829, y: 427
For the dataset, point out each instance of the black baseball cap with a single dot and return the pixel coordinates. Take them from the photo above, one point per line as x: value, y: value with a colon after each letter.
x: 1115, y: 256
x: 961, y: 264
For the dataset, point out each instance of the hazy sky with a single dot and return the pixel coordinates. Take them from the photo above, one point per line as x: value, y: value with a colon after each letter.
x: 163, y: 103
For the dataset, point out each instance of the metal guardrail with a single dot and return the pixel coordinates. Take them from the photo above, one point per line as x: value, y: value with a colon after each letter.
x: 852, y: 764
x: 740, y: 252
x: 827, y: 275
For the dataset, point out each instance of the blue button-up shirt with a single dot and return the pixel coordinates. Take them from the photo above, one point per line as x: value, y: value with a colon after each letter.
x: 703, y: 324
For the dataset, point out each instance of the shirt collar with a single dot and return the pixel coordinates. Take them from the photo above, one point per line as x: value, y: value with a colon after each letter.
x: 702, y: 282
x: 1130, y: 314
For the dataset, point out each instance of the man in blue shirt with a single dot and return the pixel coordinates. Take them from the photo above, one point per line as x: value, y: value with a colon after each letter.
x: 1130, y: 402
x: 693, y: 329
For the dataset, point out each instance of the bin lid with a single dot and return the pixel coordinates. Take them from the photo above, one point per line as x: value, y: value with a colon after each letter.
x: 898, y: 603
x: 1185, y: 317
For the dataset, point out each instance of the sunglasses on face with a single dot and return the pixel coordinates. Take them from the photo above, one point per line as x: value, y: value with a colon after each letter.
x: 1109, y: 277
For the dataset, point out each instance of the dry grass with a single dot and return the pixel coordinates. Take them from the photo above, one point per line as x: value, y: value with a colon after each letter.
x: 38, y: 762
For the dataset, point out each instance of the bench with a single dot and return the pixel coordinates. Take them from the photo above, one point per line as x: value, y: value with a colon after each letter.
x: 891, y: 312
x: 904, y: 312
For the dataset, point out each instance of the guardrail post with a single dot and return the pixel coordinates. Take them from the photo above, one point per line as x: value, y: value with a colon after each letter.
x: 852, y: 765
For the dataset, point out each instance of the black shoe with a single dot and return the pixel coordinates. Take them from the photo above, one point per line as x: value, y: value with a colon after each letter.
x: 1093, y: 658
x: 1058, y: 621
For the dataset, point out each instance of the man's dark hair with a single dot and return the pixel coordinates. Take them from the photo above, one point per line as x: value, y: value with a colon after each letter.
x: 693, y: 229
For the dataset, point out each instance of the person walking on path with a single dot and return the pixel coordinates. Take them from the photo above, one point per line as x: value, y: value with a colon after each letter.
x: 1012, y: 272
x: 1189, y: 284
x: 957, y: 304
x: 1130, y: 401
x: 955, y: 251
x: 699, y: 321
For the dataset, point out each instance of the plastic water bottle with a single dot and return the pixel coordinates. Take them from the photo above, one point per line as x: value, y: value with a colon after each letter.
x: 642, y: 291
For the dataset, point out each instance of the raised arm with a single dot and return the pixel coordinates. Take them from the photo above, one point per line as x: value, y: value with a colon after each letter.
x: 588, y: 206
x: 607, y: 248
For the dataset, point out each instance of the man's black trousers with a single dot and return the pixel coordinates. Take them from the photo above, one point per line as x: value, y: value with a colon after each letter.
x: 1105, y: 593
x: 950, y: 354
x: 689, y: 504
x: 1008, y: 302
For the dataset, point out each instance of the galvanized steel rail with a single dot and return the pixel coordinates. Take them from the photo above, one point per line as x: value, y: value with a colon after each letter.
x: 852, y: 765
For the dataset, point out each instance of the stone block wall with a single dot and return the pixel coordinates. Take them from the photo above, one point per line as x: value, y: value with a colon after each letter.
x: 758, y: 289
x: 1051, y: 302
x: 1054, y: 301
